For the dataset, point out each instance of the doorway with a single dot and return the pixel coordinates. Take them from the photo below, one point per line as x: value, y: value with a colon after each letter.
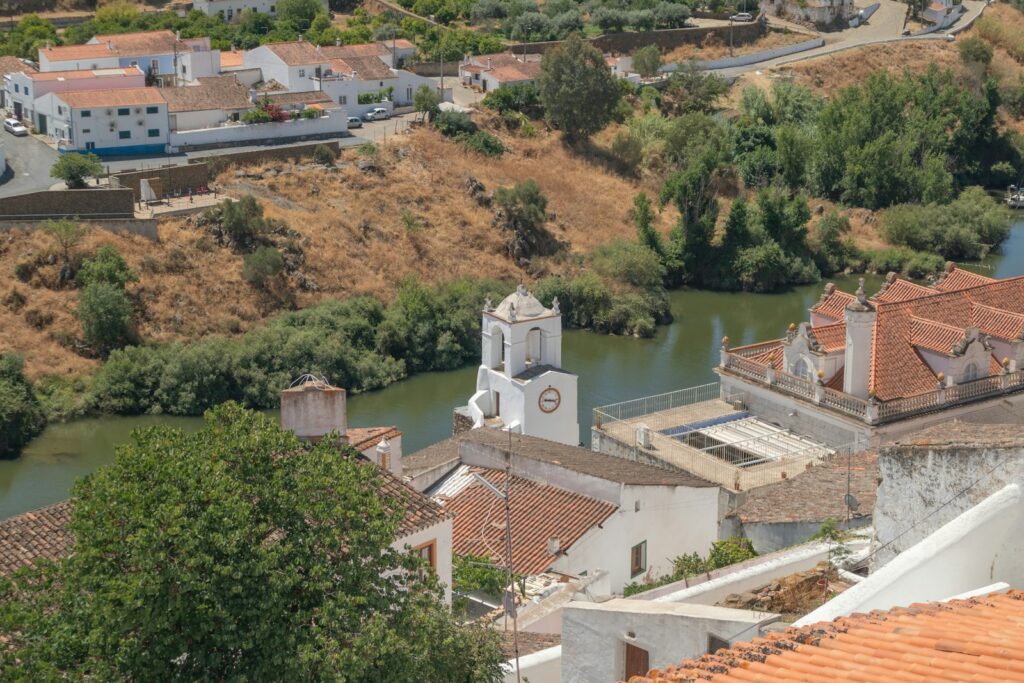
x: 637, y: 661
x: 497, y: 404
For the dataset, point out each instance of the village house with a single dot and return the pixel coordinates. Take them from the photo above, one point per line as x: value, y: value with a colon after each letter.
x: 490, y: 72
x: 821, y: 13
x: 214, y: 101
x: 11, y: 65
x: 573, y: 512
x: 942, y: 13
x: 106, y: 122
x: 311, y: 408
x: 232, y: 9
x: 162, y: 56
x: 23, y: 88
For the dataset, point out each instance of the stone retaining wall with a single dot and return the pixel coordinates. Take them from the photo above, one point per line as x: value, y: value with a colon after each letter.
x: 93, y: 202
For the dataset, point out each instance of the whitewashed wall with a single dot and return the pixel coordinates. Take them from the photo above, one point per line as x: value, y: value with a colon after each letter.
x: 333, y: 124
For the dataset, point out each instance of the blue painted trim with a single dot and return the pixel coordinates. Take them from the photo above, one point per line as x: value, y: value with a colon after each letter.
x: 129, y: 150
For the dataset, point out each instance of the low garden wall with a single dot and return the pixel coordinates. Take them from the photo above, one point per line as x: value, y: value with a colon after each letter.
x: 753, y: 57
x: 171, y: 178
x: 275, y: 132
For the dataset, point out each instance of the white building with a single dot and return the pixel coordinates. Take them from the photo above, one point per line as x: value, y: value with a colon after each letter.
x: 232, y: 9
x: 23, y: 88
x: 574, y: 512
x: 107, y: 122
x: 521, y: 386
x: 161, y: 55
x: 214, y: 101
x: 490, y: 72
x: 822, y: 13
x: 290, y: 64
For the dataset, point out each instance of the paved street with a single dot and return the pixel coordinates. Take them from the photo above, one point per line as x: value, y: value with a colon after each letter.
x: 29, y: 162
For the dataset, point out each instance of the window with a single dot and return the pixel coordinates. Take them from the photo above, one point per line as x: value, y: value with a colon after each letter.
x: 342, y: 99
x: 231, y: 13
x: 85, y: 113
x: 124, y: 135
x: 971, y: 372
x: 134, y: 63
x: 16, y: 88
x: 801, y: 370
x: 428, y: 552
x: 273, y: 9
x: 302, y: 73
x: 86, y: 130
x: 90, y: 145
x: 124, y: 111
x: 26, y: 90
x: 153, y: 133
x: 154, y: 65
x: 638, y: 559
x: 152, y: 110
x: 60, y: 110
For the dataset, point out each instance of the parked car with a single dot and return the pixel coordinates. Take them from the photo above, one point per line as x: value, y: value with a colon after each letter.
x: 377, y: 114
x: 14, y: 127
x: 355, y: 122
x: 742, y: 16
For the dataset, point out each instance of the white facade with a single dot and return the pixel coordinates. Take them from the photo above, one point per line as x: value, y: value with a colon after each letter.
x: 294, y: 77
x: 595, y: 636
x: 232, y: 9
x: 439, y: 537
x: 520, y: 384
x: 137, y: 128
x: 23, y: 88
x: 331, y: 124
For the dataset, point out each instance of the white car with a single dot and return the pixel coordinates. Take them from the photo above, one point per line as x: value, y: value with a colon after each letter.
x: 14, y: 127
x: 742, y: 16
x: 355, y: 122
x: 377, y: 114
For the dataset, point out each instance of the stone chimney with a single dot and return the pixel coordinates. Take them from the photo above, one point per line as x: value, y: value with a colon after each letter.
x: 860, y: 325
x: 311, y: 408
x: 385, y: 458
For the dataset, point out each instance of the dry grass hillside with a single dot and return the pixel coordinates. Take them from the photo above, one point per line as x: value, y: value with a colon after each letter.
x: 362, y: 231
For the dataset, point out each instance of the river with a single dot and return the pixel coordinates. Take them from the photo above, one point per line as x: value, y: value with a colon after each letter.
x: 610, y: 369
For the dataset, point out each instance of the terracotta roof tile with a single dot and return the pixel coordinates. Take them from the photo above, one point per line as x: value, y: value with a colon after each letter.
x: 231, y: 59
x: 362, y: 50
x: 832, y: 302
x: 118, y: 97
x: 80, y: 74
x: 529, y: 642
x: 830, y: 337
x: 939, y: 337
x: 836, y: 381
x: 298, y: 53
x: 897, y: 289
x: 30, y: 536
x: 955, y: 279
x: 9, y: 65
x: 997, y: 322
x: 980, y: 639
x: 361, y: 438
x: 368, y: 68
x: 216, y: 92
x: 815, y: 495
x: 515, y: 73
x: 539, y: 512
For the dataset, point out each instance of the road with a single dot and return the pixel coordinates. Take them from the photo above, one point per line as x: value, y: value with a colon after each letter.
x: 29, y: 162
x: 886, y: 25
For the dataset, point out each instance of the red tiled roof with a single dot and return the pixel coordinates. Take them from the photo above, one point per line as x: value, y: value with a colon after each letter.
x: 830, y: 337
x: 298, y: 53
x: 832, y: 303
x: 118, y: 97
x: 231, y: 59
x: 836, y: 381
x: 361, y: 50
x: 997, y: 322
x: 9, y: 65
x: 39, y: 534
x: 896, y: 289
x: 515, y: 73
x: 539, y: 512
x: 361, y: 438
x: 775, y: 355
x: 928, y: 334
x: 980, y: 639
x: 955, y: 279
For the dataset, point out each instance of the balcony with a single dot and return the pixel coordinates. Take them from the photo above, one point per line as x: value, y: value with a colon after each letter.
x: 739, y: 363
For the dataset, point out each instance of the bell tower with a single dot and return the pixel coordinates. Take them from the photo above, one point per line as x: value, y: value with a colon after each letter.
x: 521, y: 385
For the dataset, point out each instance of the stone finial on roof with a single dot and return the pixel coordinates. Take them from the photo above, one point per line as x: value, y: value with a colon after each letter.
x: 512, y: 310
x: 860, y: 302
x: 554, y: 306
x: 488, y: 306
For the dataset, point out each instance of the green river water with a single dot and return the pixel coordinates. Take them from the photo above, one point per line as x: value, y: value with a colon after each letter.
x: 610, y: 369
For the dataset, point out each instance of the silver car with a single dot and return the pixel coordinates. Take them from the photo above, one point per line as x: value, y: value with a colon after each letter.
x: 15, y: 127
x: 355, y: 122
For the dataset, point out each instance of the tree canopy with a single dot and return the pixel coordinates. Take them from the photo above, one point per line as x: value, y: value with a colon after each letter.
x: 236, y: 553
x: 577, y: 89
x: 74, y: 168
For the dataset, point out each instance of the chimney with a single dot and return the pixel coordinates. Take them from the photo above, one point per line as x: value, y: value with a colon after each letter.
x: 312, y: 408
x: 177, y: 35
x: 860, y: 325
x: 554, y: 545
x: 488, y: 63
x: 384, y: 459
x: 110, y: 45
x: 300, y: 37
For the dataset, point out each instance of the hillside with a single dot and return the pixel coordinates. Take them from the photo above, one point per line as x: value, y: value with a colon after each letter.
x: 361, y: 232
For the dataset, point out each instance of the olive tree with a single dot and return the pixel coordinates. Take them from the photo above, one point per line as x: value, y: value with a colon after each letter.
x: 73, y: 168
x: 577, y: 89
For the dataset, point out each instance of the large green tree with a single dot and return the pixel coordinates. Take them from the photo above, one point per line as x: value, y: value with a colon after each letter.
x: 577, y: 89
x: 74, y: 168
x: 21, y: 416
x: 236, y: 553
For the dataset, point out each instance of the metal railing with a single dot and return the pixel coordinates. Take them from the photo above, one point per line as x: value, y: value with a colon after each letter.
x: 628, y: 410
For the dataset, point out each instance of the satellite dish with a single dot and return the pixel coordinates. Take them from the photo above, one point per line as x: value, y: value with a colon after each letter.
x: 851, y: 502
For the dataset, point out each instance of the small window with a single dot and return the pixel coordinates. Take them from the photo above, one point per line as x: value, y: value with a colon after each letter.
x: 342, y: 99
x: 60, y: 110
x: 124, y: 111
x: 134, y: 63
x: 26, y: 90
x: 86, y: 113
x: 302, y: 73
x: 273, y: 9
x: 153, y: 110
x: 17, y: 88
x: 428, y: 552
x: 153, y: 132
x: 154, y: 65
x: 638, y: 559
x: 86, y: 130
x: 231, y: 13
x: 125, y: 135
x: 90, y: 145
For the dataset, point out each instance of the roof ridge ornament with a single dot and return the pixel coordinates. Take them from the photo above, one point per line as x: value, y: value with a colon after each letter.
x: 488, y: 306
x: 554, y: 306
x: 860, y: 302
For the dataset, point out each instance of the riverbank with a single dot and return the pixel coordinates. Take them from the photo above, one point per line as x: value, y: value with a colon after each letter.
x: 610, y: 369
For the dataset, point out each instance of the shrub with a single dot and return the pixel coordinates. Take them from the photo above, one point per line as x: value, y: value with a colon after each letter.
x: 964, y: 229
x: 518, y: 97
x: 73, y: 168
x: 426, y: 101
x: 1002, y: 174
x: 106, y: 315
x: 484, y: 143
x: 311, y: 113
x: 629, y: 262
x: 261, y: 266
x: 569, y: 21
x: 627, y: 150
x: 524, y: 205
x: 975, y: 50
x: 609, y: 20
x: 452, y: 124
x: 324, y: 155
x: 24, y: 270
x: 108, y: 266
x: 242, y: 221
x: 21, y: 416
x: 647, y: 60
x: 531, y: 27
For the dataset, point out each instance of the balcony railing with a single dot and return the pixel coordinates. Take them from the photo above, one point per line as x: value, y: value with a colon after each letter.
x: 736, y: 362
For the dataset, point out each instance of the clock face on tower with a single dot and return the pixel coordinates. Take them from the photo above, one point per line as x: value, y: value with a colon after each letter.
x: 549, y: 400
